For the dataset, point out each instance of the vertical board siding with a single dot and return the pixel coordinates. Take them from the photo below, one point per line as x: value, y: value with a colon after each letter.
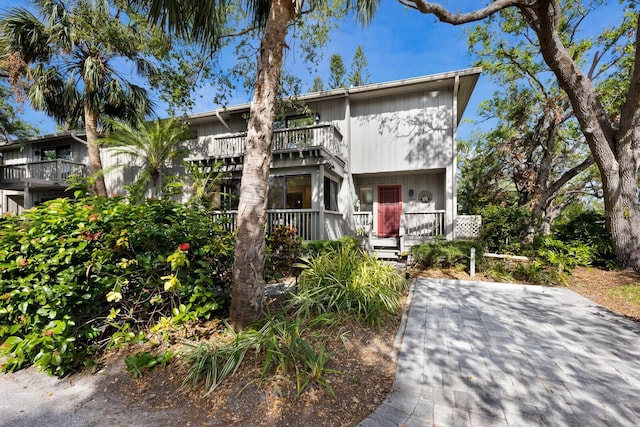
x: 402, y: 132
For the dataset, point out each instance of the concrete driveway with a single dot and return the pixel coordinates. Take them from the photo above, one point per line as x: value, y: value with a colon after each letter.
x: 489, y: 354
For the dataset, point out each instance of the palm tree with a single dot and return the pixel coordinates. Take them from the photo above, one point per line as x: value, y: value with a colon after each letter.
x: 204, y: 21
x: 67, y: 58
x: 154, y: 144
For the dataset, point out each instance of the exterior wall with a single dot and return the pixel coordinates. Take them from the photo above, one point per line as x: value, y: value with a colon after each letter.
x: 411, y: 131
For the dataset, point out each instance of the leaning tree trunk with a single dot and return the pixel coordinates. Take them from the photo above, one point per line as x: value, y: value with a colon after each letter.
x: 248, y: 268
x: 615, y: 153
x: 95, y: 163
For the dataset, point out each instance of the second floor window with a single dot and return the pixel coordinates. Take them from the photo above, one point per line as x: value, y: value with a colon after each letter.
x: 54, y: 153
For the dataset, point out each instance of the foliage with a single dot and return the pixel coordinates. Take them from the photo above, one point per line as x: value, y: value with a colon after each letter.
x: 284, y: 248
x: 599, y: 76
x: 153, y: 144
x: 204, y: 186
x: 336, y: 283
x: 313, y: 248
x: 535, y: 150
x: 587, y: 228
x: 337, y: 72
x: 11, y: 127
x: 283, y: 348
x: 446, y: 254
x: 78, y: 275
x: 507, y: 230
x: 630, y: 293
x: 143, y: 361
x: 359, y: 75
x: 552, y: 261
x: 348, y: 282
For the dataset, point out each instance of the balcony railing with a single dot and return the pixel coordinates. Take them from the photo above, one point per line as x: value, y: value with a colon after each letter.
x: 45, y: 170
x: 326, y: 136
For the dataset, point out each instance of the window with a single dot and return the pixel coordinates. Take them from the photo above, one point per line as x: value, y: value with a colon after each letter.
x: 330, y: 195
x: 54, y: 153
x: 366, y: 199
x: 228, y: 195
x: 289, y: 122
x: 290, y: 192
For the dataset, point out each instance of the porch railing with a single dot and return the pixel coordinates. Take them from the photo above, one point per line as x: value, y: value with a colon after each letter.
x: 45, y: 170
x: 305, y: 221
x: 321, y: 135
x: 423, y: 223
x: 363, y: 222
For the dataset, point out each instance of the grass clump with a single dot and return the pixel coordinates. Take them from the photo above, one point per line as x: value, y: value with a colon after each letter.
x: 630, y: 293
x: 349, y: 282
x: 337, y: 283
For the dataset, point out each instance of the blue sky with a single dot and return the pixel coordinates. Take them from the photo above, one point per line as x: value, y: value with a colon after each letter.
x: 399, y: 43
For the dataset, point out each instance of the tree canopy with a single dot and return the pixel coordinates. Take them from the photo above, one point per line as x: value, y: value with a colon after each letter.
x: 609, y: 121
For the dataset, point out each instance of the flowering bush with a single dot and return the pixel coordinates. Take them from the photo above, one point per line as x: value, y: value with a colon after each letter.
x: 76, y: 275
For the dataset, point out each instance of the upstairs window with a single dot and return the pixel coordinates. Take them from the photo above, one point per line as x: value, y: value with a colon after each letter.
x: 54, y: 153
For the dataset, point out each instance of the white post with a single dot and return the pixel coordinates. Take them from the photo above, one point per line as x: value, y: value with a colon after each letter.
x: 472, y: 263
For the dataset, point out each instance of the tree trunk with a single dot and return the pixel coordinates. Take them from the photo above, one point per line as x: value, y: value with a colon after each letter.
x: 248, y: 271
x: 615, y: 153
x: 95, y: 162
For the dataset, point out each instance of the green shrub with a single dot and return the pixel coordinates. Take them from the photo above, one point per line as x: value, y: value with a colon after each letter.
x: 350, y: 282
x: 284, y: 249
x: 317, y: 247
x: 507, y: 230
x: 446, y: 254
x: 76, y: 275
x: 588, y: 228
x: 552, y: 261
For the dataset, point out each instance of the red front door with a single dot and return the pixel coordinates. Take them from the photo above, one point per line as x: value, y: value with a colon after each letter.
x: 389, y: 210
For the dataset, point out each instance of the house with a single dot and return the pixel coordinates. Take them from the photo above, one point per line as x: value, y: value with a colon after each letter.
x: 378, y: 161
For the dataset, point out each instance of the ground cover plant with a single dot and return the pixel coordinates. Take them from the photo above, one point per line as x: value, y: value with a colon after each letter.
x: 337, y: 284
x: 79, y: 275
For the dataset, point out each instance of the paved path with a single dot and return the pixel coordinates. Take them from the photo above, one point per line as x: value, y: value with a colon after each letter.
x: 487, y: 354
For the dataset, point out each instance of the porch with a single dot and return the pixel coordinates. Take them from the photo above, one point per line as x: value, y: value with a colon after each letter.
x: 315, y: 141
x: 45, y: 173
x: 309, y: 224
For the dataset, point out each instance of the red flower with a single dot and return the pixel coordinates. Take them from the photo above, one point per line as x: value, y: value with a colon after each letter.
x: 184, y: 247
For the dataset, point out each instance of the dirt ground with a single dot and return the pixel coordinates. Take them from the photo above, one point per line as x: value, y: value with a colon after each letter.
x: 362, y: 358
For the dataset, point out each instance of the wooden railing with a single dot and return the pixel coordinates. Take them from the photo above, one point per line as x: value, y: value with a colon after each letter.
x: 322, y: 135
x: 45, y: 170
x: 305, y: 221
x: 363, y: 222
x: 423, y: 223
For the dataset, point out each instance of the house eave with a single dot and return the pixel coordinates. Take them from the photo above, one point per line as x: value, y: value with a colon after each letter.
x: 467, y: 82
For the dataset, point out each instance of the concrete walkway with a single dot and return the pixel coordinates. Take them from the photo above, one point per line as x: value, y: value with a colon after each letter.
x: 488, y: 354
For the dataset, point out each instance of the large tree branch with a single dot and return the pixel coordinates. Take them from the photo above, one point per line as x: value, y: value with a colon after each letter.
x: 568, y: 175
x: 445, y: 15
x: 631, y: 108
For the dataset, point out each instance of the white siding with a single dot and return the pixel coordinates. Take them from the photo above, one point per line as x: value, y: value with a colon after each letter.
x: 403, y: 132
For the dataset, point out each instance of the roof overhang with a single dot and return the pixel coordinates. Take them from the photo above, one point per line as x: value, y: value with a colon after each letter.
x: 466, y: 81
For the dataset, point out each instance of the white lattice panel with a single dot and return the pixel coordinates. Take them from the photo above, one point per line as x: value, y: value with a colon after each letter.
x: 468, y: 227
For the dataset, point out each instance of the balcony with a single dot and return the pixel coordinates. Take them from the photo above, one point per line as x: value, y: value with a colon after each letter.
x: 314, y: 140
x: 45, y: 173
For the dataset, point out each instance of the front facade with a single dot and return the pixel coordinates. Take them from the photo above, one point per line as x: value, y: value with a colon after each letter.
x: 376, y: 161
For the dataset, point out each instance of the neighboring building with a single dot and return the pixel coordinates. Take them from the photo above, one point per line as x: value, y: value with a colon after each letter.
x: 377, y: 160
